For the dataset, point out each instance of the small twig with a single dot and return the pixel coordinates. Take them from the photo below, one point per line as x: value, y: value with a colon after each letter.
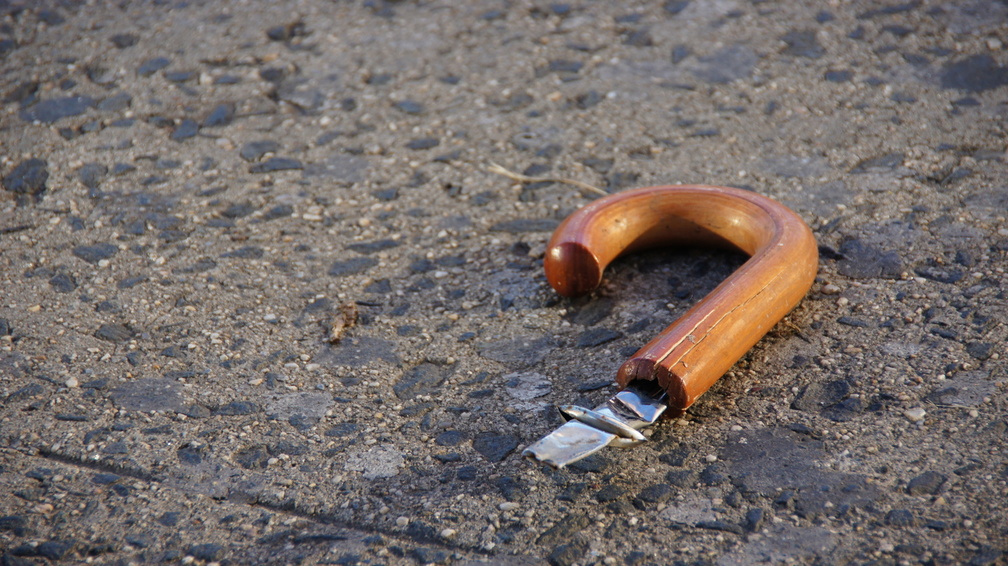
x: 495, y: 168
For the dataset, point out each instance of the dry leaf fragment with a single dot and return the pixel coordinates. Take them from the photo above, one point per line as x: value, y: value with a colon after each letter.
x: 346, y: 317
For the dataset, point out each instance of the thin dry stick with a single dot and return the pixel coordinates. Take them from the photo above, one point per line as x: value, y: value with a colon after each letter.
x: 495, y: 168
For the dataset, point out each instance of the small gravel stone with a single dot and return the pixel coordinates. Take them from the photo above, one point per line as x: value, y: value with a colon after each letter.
x: 915, y: 415
x: 28, y: 178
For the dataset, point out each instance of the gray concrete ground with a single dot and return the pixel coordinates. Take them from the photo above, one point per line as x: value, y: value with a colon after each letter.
x: 200, y: 194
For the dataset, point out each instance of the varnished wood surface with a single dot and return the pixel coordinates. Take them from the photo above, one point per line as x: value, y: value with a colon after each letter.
x: 698, y: 348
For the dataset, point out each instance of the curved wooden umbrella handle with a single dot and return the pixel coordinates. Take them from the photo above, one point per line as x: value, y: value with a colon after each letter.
x: 698, y: 348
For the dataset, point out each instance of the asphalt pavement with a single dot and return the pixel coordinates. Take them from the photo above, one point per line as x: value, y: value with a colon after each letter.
x: 263, y: 301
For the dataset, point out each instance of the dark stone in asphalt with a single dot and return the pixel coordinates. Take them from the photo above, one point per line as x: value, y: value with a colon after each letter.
x: 302, y: 93
x: 980, y: 350
x: 657, y: 493
x: 596, y: 337
x: 278, y: 211
x: 341, y: 167
x: 49, y: 111
x: 357, y: 352
x: 880, y: 163
x: 424, y: 379
x: 253, y: 151
x: 276, y: 164
x: 590, y: 313
x: 379, y: 287
x: 838, y: 76
x: 865, y: 261
x: 343, y: 430
x: 569, y: 553
x: 28, y: 177
x: 844, y: 410
x: 713, y: 474
x: 754, y: 519
x: 816, y: 396
x: 610, y: 492
x: 494, y: 447
x: 208, y: 552
x: 975, y: 73
x: 221, y: 115
x: 727, y: 64
x: 56, y: 549
x: 682, y: 478
x: 116, y: 102
x: 564, y: 529
x: 352, y: 266
x: 151, y: 66
x: 803, y: 43
x: 15, y: 524
x: 449, y: 438
x: 374, y: 246
x: 986, y: 556
x: 775, y: 461
x: 179, y: 76
x: 24, y: 393
x: 63, y: 282
x: 718, y: 525
x: 115, y: 333
x: 149, y: 394
x: 92, y: 174
x: 564, y: 66
x: 169, y: 519
x: 523, y: 225
x: 928, y: 483
x: 287, y: 32
x: 186, y: 129
x: 424, y: 555
x: 940, y: 275
x: 131, y: 282
x: 900, y: 518
x: 423, y: 143
x: 237, y: 408
x: 238, y: 210
x: 851, y: 321
x: 409, y: 107
x: 521, y: 352
x: 252, y: 457
x: 124, y: 40
x: 96, y: 252
x: 105, y: 478
x: 638, y: 38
